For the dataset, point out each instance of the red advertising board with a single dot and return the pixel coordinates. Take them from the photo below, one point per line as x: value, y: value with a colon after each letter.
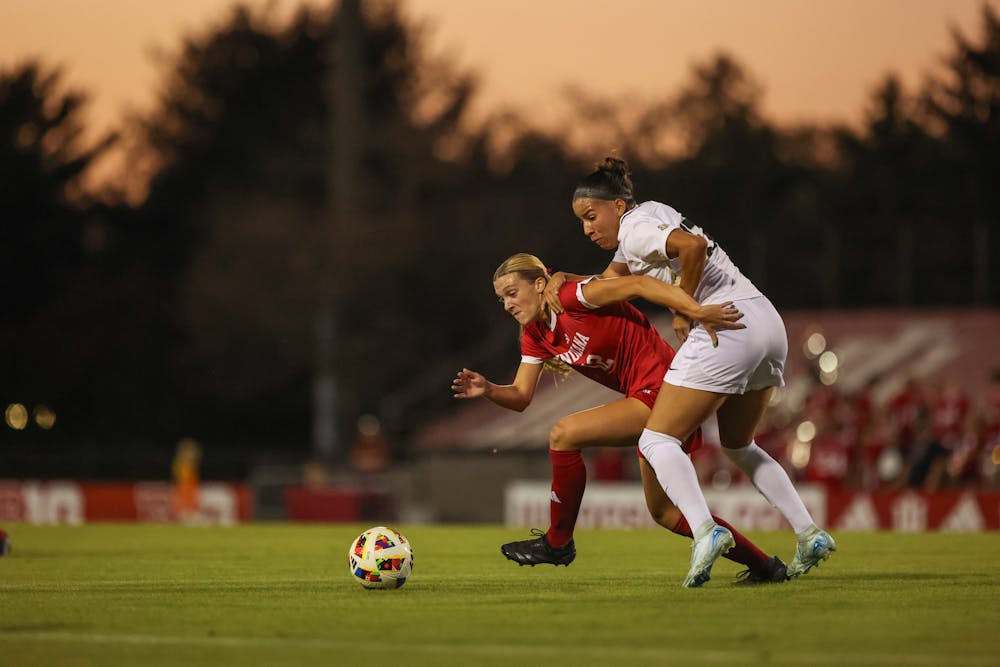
x: 954, y: 511
x: 622, y: 505
x: 336, y: 504
x: 63, y: 501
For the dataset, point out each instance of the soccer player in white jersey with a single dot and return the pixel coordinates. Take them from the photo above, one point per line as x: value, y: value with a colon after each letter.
x: 732, y: 378
x: 603, y: 337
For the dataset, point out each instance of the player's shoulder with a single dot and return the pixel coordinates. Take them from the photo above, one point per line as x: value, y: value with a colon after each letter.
x: 569, y: 295
x: 653, y: 213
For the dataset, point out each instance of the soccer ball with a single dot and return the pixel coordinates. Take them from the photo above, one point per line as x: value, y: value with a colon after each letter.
x: 380, y: 558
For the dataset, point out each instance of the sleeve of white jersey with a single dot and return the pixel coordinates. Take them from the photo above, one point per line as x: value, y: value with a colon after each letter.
x: 647, y: 240
x: 579, y: 294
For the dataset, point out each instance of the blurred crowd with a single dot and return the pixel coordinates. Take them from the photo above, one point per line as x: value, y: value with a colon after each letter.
x: 924, y: 436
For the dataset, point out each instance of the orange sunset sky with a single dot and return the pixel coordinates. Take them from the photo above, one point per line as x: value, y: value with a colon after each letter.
x: 817, y: 59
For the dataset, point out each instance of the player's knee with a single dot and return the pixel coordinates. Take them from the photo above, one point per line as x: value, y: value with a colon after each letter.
x: 562, y: 437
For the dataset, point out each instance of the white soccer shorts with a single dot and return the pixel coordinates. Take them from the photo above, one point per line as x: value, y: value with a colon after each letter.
x: 746, y: 359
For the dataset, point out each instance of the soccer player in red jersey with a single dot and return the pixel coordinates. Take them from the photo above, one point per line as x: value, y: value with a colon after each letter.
x: 605, y: 338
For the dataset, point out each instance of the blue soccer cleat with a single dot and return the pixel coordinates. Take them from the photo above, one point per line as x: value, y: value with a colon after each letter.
x: 814, y: 545
x: 704, y: 553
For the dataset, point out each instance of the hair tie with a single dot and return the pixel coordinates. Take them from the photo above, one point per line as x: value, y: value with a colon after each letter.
x: 548, y: 271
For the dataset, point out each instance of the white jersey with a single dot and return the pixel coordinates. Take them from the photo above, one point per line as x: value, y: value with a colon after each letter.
x: 642, y: 244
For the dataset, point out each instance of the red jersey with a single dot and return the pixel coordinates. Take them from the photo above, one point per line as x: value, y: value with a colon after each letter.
x: 614, y: 345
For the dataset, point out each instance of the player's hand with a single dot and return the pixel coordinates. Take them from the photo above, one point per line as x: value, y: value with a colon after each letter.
x: 468, y: 384
x: 719, y: 316
x: 682, y: 327
x: 551, y: 293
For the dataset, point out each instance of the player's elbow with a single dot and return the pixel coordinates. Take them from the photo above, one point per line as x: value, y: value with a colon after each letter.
x: 520, y: 402
x: 697, y: 247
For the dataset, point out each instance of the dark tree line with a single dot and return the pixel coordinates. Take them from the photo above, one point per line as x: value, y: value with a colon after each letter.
x: 193, y: 311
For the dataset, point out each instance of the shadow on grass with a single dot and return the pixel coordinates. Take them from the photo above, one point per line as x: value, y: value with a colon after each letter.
x: 891, y: 576
x: 183, y: 586
x: 28, y: 628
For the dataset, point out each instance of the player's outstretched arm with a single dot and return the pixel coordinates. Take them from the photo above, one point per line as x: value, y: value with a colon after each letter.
x: 514, y: 396
x: 559, y: 278
x: 616, y: 290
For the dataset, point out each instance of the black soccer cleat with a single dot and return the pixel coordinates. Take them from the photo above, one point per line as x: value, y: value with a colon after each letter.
x: 773, y: 571
x: 538, y: 550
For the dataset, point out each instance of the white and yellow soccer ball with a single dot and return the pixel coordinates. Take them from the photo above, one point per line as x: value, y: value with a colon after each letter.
x: 380, y: 558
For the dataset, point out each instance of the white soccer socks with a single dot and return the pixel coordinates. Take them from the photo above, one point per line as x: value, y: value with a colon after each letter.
x: 773, y: 483
x: 677, y: 476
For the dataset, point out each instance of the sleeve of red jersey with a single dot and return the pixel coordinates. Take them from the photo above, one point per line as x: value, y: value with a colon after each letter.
x: 571, y: 296
x: 531, y: 351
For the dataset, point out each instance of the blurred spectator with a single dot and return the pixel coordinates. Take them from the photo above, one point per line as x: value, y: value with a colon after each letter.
x: 859, y: 424
x: 950, y: 414
x: 822, y: 403
x: 919, y: 438
x: 816, y: 450
x: 714, y: 469
x: 904, y: 410
x: 186, y: 482
x: 829, y: 456
x: 990, y: 410
x: 880, y: 458
x: 315, y: 475
x: 828, y: 461
x: 963, y: 466
x: 925, y: 457
x: 370, y: 452
x: 980, y: 458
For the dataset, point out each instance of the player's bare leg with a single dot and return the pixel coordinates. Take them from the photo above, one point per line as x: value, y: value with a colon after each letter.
x: 616, y: 424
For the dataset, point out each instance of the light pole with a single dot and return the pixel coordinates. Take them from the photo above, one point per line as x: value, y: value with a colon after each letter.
x: 345, y: 90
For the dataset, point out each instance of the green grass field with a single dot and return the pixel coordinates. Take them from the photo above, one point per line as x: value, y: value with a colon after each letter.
x: 275, y: 594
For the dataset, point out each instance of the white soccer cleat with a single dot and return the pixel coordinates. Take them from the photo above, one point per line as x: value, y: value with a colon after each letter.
x: 705, y: 552
x: 814, y: 545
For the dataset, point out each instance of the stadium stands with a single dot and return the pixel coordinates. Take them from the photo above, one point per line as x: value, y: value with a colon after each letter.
x: 882, y: 398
